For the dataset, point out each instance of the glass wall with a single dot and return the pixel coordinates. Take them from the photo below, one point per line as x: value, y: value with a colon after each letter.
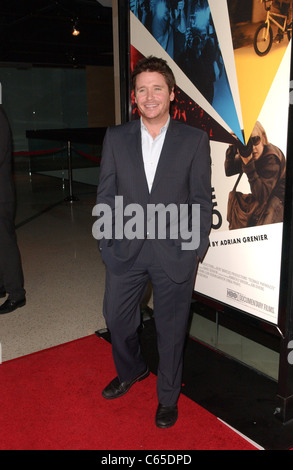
x: 43, y: 98
x: 37, y: 98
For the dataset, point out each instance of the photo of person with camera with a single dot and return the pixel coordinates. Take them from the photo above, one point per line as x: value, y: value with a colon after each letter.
x: 265, y: 167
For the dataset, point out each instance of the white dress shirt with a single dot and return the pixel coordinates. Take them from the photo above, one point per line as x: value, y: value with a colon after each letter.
x: 151, y: 151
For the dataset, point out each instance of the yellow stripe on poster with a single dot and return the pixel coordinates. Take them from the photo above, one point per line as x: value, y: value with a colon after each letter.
x: 255, y: 76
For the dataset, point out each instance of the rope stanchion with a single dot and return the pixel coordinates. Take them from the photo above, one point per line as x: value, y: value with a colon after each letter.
x: 35, y: 153
x: 71, y: 197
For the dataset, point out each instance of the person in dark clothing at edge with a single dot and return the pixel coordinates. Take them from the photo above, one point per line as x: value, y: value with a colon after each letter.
x: 11, y: 274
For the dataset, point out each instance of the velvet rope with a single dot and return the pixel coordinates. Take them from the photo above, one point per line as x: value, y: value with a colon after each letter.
x: 86, y: 155
x: 35, y: 153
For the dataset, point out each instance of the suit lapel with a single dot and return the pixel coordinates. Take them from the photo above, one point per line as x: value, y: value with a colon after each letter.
x: 168, y: 153
x: 135, y: 153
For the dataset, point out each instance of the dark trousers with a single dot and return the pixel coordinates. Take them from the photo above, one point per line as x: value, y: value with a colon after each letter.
x: 11, y: 274
x: 123, y: 295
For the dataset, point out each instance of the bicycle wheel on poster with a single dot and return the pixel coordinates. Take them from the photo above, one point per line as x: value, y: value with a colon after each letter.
x: 263, y: 39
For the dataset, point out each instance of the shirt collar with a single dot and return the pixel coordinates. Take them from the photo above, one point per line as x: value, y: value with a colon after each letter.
x: 163, y: 129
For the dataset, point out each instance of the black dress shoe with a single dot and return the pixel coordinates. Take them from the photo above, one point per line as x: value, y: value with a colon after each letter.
x: 10, y: 305
x: 166, y: 416
x: 116, y: 389
x: 2, y: 293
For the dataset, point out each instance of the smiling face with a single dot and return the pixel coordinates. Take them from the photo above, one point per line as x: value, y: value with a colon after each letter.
x: 153, y: 97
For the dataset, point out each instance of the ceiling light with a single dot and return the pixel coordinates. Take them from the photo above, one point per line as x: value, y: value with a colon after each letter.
x: 75, y: 30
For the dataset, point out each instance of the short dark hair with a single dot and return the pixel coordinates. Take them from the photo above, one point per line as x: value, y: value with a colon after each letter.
x: 154, y: 64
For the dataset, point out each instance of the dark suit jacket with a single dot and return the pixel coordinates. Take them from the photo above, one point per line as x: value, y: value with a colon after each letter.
x: 182, y: 177
x: 7, y: 191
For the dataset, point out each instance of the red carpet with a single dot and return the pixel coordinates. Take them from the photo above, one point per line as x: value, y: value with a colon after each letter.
x: 51, y: 400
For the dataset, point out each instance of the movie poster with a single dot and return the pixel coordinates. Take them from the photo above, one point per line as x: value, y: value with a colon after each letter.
x: 233, y: 77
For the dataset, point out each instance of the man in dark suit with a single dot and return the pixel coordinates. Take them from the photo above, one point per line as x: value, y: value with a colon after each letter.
x: 154, y: 162
x: 11, y: 275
